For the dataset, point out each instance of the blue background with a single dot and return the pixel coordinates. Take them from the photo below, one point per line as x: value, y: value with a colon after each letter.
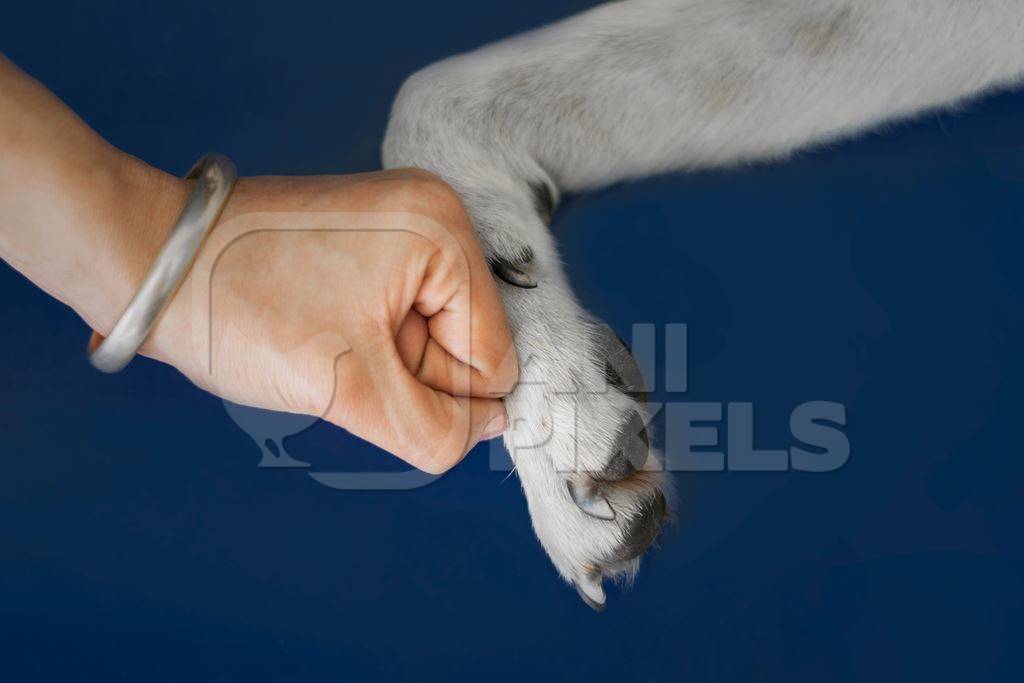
x: 138, y: 539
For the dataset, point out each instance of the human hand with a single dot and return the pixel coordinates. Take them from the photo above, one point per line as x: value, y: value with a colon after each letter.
x: 362, y: 299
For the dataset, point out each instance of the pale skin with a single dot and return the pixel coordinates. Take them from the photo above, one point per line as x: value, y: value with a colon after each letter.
x: 364, y: 299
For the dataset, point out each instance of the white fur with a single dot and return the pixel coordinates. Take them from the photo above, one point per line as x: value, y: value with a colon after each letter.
x: 634, y: 88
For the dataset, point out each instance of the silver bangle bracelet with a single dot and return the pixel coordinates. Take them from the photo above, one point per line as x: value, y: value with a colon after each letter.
x: 215, y: 177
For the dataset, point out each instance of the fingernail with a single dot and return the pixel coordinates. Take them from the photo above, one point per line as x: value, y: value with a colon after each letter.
x: 494, y: 428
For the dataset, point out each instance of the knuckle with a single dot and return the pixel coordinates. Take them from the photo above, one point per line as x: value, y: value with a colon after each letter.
x: 505, y: 376
x: 435, y: 460
x: 441, y: 199
x: 423, y: 194
x: 437, y: 467
x: 430, y: 450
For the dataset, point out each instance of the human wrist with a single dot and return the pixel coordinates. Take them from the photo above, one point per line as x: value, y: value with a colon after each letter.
x: 83, y: 225
x: 144, y: 320
x: 79, y: 218
x: 132, y: 210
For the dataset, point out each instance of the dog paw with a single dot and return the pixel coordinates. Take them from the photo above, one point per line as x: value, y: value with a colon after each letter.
x: 581, y: 446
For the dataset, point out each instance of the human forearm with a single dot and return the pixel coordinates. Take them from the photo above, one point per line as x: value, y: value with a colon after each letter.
x: 78, y: 217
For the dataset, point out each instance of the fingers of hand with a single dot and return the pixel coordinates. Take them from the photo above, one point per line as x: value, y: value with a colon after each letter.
x: 466, y: 319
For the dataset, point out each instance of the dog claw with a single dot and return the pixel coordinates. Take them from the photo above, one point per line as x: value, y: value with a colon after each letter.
x: 512, y: 275
x: 591, y: 591
x: 643, y: 528
x: 631, y: 452
x: 621, y: 369
x: 590, y: 501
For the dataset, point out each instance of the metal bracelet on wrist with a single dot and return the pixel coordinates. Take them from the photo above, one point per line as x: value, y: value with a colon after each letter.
x: 215, y: 176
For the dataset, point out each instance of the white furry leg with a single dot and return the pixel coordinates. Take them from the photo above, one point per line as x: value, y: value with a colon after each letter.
x: 630, y: 89
x: 638, y: 87
x: 577, y: 434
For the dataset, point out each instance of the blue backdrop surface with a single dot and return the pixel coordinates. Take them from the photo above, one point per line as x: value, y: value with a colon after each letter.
x: 138, y: 539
